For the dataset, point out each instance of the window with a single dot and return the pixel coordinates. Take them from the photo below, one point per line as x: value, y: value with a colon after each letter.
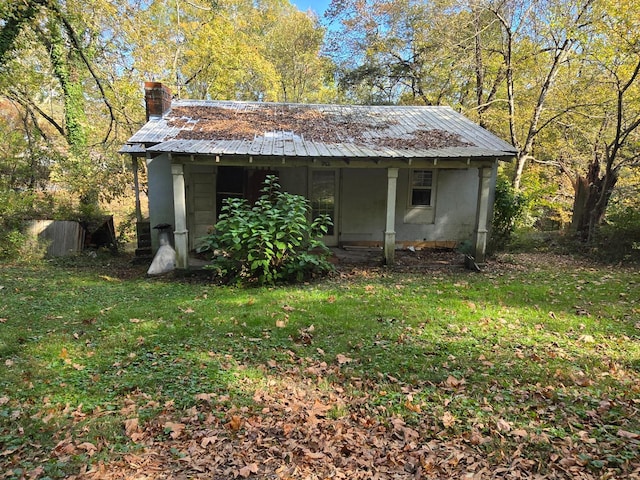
x: 421, y: 188
x: 323, y: 195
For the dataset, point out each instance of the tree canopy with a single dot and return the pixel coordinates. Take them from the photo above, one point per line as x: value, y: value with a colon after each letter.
x: 556, y: 78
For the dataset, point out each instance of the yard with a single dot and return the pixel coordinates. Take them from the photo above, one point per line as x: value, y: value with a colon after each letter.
x: 530, y: 369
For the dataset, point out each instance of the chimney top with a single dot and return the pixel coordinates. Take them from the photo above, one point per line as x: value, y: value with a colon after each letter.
x: 157, y: 99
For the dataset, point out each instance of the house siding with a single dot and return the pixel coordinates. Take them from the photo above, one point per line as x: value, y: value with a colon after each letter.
x: 362, y: 196
x: 452, y: 217
x: 160, y: 194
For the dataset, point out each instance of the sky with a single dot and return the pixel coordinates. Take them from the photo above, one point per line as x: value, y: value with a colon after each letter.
x: 319, y: 6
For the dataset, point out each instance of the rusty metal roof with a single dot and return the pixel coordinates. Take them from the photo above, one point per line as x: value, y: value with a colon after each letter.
x: 295, y: 130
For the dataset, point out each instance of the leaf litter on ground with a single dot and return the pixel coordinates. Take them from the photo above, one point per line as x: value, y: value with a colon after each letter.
x: 320, y: 413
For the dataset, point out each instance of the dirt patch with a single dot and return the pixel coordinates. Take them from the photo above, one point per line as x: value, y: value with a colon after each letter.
x: 405, y: 260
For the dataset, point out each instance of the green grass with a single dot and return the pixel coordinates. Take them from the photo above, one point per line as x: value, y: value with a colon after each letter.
x: 549, y: 350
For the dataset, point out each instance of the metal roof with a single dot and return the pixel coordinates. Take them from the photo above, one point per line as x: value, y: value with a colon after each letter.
x: 295, y: 130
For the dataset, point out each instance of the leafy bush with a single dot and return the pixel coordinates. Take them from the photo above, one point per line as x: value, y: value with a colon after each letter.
x: 618, y: 239
x: 509, y: 206
x: 269, y: 242
x: 14, y: 211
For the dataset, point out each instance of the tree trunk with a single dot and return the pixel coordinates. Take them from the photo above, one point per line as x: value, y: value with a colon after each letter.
x: 67, y: 64
x: 592, y: 195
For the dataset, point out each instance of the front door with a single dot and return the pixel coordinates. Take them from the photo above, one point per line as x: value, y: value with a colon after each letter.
x: 324, y: 200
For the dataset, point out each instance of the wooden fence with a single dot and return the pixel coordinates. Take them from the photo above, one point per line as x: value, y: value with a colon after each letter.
x: 62, y: 237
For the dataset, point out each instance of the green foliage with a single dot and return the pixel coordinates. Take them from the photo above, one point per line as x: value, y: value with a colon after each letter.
x: 14, y: 211
x: 508, y: 207
x: 271, y: 241
x: 546, y: 208
x: 619, y: 238
x: 17, y: 208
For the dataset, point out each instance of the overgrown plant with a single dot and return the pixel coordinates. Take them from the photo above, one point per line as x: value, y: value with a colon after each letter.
x: 271, y: 241
x: 509, y: 205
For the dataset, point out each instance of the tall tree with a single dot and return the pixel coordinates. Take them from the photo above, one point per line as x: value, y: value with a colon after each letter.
x: 538, y: 39
x: 612, y: 125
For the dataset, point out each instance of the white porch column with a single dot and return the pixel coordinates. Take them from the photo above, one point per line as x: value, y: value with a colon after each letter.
x: 390, y: 232
x: 482, y: 214
x: 180, y: 233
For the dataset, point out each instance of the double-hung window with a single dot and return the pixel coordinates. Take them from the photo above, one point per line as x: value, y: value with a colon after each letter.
x: 421, y: 188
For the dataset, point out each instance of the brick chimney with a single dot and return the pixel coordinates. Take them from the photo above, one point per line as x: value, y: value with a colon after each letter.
x: 157, y: 98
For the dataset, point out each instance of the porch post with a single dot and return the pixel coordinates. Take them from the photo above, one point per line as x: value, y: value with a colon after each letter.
x: 482, y: 214
x: 390, y: 233
x: 180, y: 233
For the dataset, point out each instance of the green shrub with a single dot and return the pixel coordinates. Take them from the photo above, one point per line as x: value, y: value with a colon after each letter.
x: 508, y: 207
x: 618, y: 239
x: 14, y: 211
x: 271, y: 241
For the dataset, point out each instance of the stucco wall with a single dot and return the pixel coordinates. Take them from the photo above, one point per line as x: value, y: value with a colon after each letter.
x: 362, y: 199
x: 451, y: 218
x: 363, y: 202
x: 160, y: 194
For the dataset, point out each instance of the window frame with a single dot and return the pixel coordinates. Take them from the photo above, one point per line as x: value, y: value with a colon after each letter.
x: 431, y: 188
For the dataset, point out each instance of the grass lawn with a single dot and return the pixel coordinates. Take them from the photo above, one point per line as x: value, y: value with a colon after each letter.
x: 530, y: 369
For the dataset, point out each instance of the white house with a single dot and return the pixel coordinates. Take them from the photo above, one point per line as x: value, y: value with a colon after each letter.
x: 389, y: 176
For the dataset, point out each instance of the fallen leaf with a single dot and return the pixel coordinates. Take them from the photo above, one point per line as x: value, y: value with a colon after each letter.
x: 4, y: 400
x: 448, y: 420
x: 582, y: 380
x: 206, y: 397
x: 208, y: 441
x: 174, y: 429
x: 287, y: 428
x: 412, y: 407
x: 88, y: 447
x: 503, y: 425
x: 319, y: 409
x: 453, y: 382
x: 314, y: 455
x: 235, y: 423
x: 342, y: 359
x: 629, y: 435
x: 331, y: 299
x: 132, y: 429
x: 36, y: 472
x: 247, y: 470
